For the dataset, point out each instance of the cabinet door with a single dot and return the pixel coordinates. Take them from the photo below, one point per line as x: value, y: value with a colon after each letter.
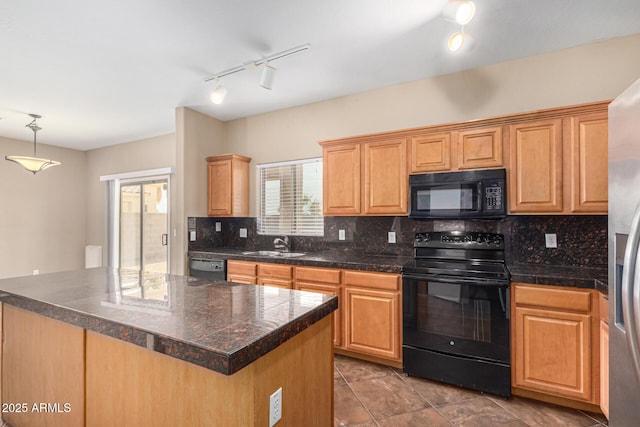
x: 242, y: 272
x: 431, y: 153
x: 536, y: 167
x: 553, y: 352
x: 372, y: 322
x: 588, y: 163
x: 385, y: 177
x: 328, y: 289
x: 220, y: 200
x: 480, y: 148
x: 341, y: 179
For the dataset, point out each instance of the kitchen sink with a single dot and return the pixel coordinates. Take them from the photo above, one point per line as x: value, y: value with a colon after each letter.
x: 275, y: 254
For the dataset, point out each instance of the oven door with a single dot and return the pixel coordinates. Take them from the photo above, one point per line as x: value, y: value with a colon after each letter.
x: 458, y: 316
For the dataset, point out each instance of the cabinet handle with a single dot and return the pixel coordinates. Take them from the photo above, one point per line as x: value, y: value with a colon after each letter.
x: 631, y: 290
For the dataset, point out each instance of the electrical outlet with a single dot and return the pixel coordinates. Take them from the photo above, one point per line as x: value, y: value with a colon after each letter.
x: 341, y: 235
x: 36, y: 272
x: 392, y: 237
x: 218, y: 226
x: 275, y: 407
x: 551, y: 240
x: 243, y: 233
x: 192, y: 235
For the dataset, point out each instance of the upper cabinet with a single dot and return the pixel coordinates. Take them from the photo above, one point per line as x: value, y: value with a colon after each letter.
x: 477, y: 148
x: 556, y: 161
x: 228, y: 185
x: 365, y: 178
x: 559, y: 165
x: 536, y: 172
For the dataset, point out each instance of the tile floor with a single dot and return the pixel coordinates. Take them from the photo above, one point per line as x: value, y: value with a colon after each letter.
x: 370, y: 395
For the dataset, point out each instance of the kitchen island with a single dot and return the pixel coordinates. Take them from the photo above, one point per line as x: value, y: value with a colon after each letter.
x: 114, y: 347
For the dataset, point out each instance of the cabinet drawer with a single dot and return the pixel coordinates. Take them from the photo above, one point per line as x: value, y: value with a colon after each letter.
x: 279, y: 283
x: 324, y: 275
x: 238, y: 278
x: 275, y: 270
x: 372, y: 280
x: 561, y: 298
x: 242, y: 268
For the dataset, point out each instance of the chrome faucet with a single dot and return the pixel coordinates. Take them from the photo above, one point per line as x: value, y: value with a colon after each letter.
x: 281, y: 243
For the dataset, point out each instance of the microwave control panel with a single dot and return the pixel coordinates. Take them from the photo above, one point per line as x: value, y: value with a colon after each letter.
x: 493, y: 197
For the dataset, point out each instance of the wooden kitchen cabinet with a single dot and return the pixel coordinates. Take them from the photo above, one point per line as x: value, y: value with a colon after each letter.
x: 228, y: 185
x: 365, y: 178
x: 326, y: 281
x: 242, y: 272
x: 535, y: 183
x: 480, y: 148
x: 341, y: 179
x: 385, y: 177
x: 431, y: 153
x: 372, y: 314
x: 279, y: 275
x: 555, y: 348
x: 588, y: 150
x: 604, y: 354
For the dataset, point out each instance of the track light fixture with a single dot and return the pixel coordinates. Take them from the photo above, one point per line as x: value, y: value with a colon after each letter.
x: 33, y: 164
x: 268, y: 71
x: 461, y: 12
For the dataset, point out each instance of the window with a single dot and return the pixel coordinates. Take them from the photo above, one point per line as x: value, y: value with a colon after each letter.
x: 290, y: 198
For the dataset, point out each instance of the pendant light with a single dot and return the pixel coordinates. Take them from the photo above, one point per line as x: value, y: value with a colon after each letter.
x: 33, y: 164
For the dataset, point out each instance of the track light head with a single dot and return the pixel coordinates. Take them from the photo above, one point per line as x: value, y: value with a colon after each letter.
x: 218, y: 94
x: 459, y: 11
x: 268, y: 74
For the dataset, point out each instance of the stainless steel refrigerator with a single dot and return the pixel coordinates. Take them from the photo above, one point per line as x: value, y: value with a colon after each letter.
x: 624, y: 258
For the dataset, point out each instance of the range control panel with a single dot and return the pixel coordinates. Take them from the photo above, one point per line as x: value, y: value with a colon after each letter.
x: 459, y: 239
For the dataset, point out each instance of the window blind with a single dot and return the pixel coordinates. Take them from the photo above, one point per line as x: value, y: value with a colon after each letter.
x: 290, y: 198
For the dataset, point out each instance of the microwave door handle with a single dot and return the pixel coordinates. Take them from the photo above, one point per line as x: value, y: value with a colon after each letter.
x: 631, y: 291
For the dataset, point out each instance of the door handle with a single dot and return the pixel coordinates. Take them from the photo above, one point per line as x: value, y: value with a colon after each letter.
x: 165, y: 239
x: 631, y: 291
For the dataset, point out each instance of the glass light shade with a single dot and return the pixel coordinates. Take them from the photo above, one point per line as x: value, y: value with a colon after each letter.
x: 218, y: 94
x: 459, y: 11
x: 455, y: 42
x: 33, y: 164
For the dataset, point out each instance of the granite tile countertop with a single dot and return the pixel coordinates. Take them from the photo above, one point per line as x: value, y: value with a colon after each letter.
x: 580, y: 277
x: 329, y: 259
x: 218, y: 325
x: 577, y: 277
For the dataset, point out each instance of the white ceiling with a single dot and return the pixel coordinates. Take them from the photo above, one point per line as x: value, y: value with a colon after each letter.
x: 103, y: 73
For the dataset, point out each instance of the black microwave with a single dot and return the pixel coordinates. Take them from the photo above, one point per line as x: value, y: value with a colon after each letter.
x: 479, y: 194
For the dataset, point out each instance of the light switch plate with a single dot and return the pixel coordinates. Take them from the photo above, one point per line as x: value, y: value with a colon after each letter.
x: 551, y: 240
x: 243, y: 233
x: 341, y: 235
x: 218, y: 226
x: 392, y: 237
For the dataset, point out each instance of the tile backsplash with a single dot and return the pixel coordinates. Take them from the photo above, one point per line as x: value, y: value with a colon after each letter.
x: 582, y: 240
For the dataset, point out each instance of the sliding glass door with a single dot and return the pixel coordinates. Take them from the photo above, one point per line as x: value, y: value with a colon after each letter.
x: 144, y: 225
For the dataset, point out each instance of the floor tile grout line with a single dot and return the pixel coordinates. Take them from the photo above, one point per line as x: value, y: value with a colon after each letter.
x: 497, y: 402
x: 356, y: 395
x: 426, y: 400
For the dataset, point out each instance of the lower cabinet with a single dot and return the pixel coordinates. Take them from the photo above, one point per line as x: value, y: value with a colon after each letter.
x: 325, y: 281
x: 555, y: 345
x: 368, y: 321
x: 604, y: 354
x: 372, y: 314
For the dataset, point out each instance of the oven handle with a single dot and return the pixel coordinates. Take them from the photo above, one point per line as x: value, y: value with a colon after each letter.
x: 460, y: 280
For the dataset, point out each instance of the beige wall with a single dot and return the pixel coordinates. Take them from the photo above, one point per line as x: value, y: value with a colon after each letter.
x: 42, y: 218
x: 197, y: 136
x: 150, y: 153
x: 588, y: 73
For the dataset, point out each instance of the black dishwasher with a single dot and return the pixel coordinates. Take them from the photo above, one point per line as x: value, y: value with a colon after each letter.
x: 207, y: 268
